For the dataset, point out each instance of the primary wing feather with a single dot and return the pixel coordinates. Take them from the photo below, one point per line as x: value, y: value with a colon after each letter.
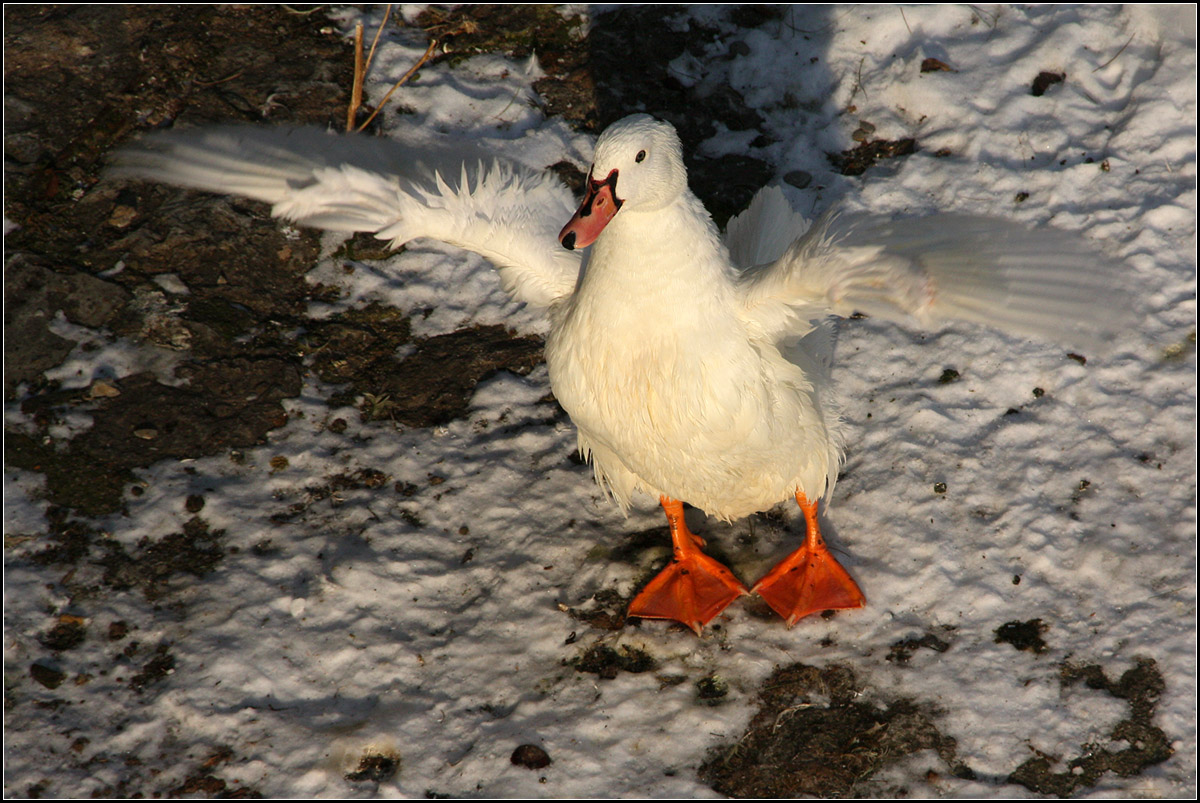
x: 457, y: 194
x: 1038, y: 282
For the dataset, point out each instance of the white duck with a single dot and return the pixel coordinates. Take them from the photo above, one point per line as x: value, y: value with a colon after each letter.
x: 692, y: 366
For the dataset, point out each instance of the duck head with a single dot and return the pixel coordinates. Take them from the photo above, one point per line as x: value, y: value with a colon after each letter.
x: 638, y: 166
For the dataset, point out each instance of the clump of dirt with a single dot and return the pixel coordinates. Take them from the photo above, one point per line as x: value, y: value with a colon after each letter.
x: 815, y: 735
x: 902, y: 651
x: 67, y: 633
x: 606, y: 662
x: 1044, y: 81
x: 161, y: 664
x: 855, y: 161
x: 375, y: 767
x: 607, y: 611
x: 195, y: 551
x: 711, y: 690
x: 1025, y: 635
x: 1141, y: 688
x: 949, y: 375
x: 71, y: 539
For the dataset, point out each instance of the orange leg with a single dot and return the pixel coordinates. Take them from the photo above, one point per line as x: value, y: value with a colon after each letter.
x: 810, y: 579
x: 693, y: 588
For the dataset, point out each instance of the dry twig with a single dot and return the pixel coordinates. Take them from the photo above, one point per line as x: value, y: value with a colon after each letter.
x: 359, y: 73
x: 1114, y: 58
x: 361, y: 68
x: 411, y: 71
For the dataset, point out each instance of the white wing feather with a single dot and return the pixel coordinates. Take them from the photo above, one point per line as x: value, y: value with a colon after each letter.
x: 508, y: 213
x: 1039, y: 282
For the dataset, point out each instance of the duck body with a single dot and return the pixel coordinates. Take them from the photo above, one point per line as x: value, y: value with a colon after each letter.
x: 669, y: 389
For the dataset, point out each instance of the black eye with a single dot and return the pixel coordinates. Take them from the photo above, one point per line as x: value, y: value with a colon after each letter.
x: 640, y: 157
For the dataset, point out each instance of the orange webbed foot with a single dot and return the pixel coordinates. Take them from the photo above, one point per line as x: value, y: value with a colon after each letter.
x: 692, y: 591
x: 810, y: 579
x: 693, y: 588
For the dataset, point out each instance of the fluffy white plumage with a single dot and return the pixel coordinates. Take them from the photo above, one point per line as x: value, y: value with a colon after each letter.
x: 694, y: 366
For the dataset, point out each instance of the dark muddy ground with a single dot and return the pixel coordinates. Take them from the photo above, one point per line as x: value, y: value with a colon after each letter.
x: 153, y: 67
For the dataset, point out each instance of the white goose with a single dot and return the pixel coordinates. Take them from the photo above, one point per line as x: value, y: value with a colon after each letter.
x: 693, y: 367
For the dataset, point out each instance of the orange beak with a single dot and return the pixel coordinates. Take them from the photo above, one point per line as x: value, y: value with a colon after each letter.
x: 598, y: 207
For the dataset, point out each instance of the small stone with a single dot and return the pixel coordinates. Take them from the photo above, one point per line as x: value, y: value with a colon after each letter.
x: 531, y: 757
x: 121, y: 216
x: 936, y: 65
x: 798, y: 178
x: 47, y: 676
x: 103, y: 390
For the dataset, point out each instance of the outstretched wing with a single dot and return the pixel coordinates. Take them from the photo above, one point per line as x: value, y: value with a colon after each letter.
x: 1039, y: 282
x: 508, y: 213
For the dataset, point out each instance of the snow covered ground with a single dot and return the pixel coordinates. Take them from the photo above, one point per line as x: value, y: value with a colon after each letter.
x: 432, y: 627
